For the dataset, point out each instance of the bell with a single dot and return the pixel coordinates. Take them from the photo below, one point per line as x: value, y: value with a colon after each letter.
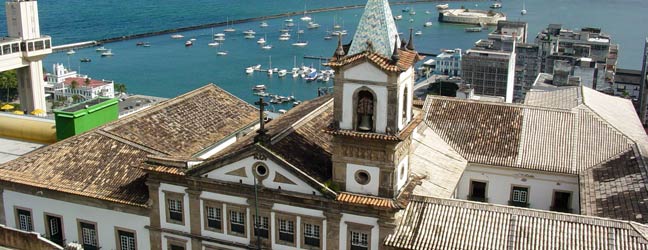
x: 365, y: 123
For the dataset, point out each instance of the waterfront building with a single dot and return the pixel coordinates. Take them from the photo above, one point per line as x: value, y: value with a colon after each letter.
x: 448, y: 63
x: 23, y: 50
x: 489, y: 72
x: 364, y: 168
x: 527, y: 68
x: 65, y: 84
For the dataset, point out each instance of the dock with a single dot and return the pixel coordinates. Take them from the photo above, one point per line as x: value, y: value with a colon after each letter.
x: 74, y: 46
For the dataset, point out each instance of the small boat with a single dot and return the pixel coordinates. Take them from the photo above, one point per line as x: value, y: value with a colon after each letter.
x: 418, y: 33
x: 101, y: 49
x: 221, y: 53
x: 249, y: 36
x: 313, y: 25
x: 261, y: 40
x: 259, y: 87
x: 220, y: 38
x: 412, y: 12
x: 339, y: 33
x: 406, y: 9
x: 312, y: 76
x: 219, y: 35
x: 263, y: 25
x: 270, y: 72
x: 398, y: 17
x: 266, y: 47
x: 428, y: 12
x: 213, y: 44
x: 284, y: 37
x: 262, y: 93
x: 249, y: 70
x: 328, y: 37
x: 295, y: 103
x: 139, y: 44
x: 306, y: 18
x: 496, y: 6
x: 300, y: 44
x: 146, y: 45
x: 71, y: 52
x: 473, y: 29
x: 300, y: 31
x: 85, y: 59
x: 290, y: 24
x: 282, y: 73
x: 107, y: 53
x: 427, y: 24
x: 282, y: 111
x: 411, y: 20
x: 188, y: 43
x: 249, y: 32
x: 295, y: 74
x: 289, y: 20
x: 177, y: 36
x: 192, y: 39
x: 442, y: 6
x: 523, y: 11
x: 229, y: 28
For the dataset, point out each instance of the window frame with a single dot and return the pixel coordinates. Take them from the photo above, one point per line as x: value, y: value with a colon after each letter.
x: 289, y: 218
x: 519, y: 203
x: 48, y: 232
x: 214, y: 204
x: 358, y: 228
x: 569, y: 201
x: 262, y: 215
x: 176, y: 241
x: 312, y: 221
x: 238, y: 209
x: 31, y: 218
x: 470, y: 191
x: 80, y: 231
x: 118, y: 237
x: 168, y: 195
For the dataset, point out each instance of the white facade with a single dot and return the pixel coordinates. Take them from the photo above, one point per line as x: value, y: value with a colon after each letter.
x: 352, y: 185
x: 448, y: 63
x: 406, y: 79
x: 57, y: 81
x: 363, y: 220
x: 541, y: 185
x: 381, y: 103
x: 106, y: 220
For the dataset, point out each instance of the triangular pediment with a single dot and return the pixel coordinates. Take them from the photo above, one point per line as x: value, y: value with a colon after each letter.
x: 256, y: 162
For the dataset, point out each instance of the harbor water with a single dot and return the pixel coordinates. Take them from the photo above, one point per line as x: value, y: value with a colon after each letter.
x: 167, y: 68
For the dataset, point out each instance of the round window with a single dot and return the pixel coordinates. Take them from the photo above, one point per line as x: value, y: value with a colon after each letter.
x: 261, y: 170
x: 362, y: 177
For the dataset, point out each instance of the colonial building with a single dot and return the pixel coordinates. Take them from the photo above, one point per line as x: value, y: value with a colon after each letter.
x: 64, y: 83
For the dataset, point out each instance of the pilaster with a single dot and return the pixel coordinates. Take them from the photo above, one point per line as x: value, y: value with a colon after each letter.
x: 3, y: 219
x: 333, y: 218
x: 154, y: 214
x: 194, y: 217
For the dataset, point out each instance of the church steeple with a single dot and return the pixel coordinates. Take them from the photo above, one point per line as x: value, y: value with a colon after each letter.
x: 376, y: 29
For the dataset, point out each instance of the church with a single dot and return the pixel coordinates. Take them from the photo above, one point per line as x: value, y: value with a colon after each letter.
x: 364, y: 168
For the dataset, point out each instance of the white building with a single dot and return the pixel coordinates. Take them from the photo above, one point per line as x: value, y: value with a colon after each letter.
x: 60, y: 82
x: 448, y: 63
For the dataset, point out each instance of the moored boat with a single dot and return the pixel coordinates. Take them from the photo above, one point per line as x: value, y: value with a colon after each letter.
x: 177, y: 36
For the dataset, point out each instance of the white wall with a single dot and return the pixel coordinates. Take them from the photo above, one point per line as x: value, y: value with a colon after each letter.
x: 106, y: 219
x: 401, y: 178
x: 164, y: 241
x: 225, y: 199
x: 185, y: 207
x: 406, y: 80
x: 344, y: 241
x: 369, y: 188
x: 365, y: 72
x: 381, y: 110
x: 298, y: 211
x: 498, y: 190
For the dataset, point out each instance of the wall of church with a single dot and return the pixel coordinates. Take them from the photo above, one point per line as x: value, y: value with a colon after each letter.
x: 350, y: 222
x: 541, y: 185
x: 365, y: 72
x: 381, y: 109
x: 406, y: 82
x: 106, y: 220
x: 166, y: 189
x: 352, y: 184
x: 403, y: 169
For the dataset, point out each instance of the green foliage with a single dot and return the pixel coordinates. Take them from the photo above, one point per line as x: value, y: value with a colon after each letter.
x: 331, y: 185
x: 9, y: 83
x: 74, y: 85
x: 87, y: 82
x: 120, y: 87
x: 76, y: 98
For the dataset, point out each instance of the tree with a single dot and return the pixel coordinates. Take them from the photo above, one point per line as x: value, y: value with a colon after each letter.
x: 74, y: 85
x: 76, y: 98
x: 9, y: 81
x: 87, y: 82
x: 120, y: 87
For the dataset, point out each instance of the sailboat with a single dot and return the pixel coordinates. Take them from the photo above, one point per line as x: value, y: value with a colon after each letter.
x: 523, y: 11
x: 305, y: 18
x: 229, y: 29
x: 213, y: 43
x: 300, y: 43
x: 221, y: 52
x: 270, y: 65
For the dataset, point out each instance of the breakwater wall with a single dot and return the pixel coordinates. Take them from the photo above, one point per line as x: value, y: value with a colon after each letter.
x: 220, y: 24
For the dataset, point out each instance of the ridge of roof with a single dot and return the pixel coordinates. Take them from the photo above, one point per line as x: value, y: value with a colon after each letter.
x: 295, y: 125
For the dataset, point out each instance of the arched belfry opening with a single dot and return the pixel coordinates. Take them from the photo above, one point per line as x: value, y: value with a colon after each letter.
x: 405, y: 107
x: 365, y: 111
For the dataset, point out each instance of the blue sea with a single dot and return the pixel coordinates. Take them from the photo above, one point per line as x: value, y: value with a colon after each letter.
x: 168, y: 69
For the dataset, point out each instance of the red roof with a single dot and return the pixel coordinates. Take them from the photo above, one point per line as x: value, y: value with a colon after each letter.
x: 81, y: 81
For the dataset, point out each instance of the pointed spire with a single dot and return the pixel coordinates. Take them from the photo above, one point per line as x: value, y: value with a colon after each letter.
x: 403, y: 44
x: 376, y: 25
x: 339, y: 52
x: 395, y: 55
x: 410, y: 43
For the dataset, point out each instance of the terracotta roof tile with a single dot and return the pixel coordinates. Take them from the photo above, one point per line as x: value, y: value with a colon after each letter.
x: 373, y: 201
x: 407, y: 60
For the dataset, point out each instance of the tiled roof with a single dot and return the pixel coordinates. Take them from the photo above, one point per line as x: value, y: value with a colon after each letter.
x: 433, y: 223
x: 82, y: 82
x: 555, y: 140
x: 564, y: 98
x: 91, y: 164
x: 376, y: 27
x: 372, y: 136
x: 365, y: 200
x: 188, y: 123
x: 616, y: 189
x: 407, y: 59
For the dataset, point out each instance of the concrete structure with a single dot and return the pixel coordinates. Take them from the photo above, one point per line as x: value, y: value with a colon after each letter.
x: 627, y: 84
x: 471, y: 16
x: 60, y: 84
x: 85, y: 116
x: 23, y: 50
x: 527, y: 67
x: 490, y: 72
x: 448, y: 63
x: 643, y: 102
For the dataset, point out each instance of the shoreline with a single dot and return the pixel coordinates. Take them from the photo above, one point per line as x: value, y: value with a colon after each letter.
x: 91, y: 43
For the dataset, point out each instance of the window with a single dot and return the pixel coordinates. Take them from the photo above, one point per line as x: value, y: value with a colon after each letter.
x: 359, y: 241
x: 405, y: 97
x: 477, y: 191
x: 174, y: 207
x: 176, y: 243
x: 53, y: 228
x: 519, y: 196
x: 48, y: 44
x: 24, y: 220
x: 237, y: 222
x: 6, y: 49
x: 15, y: 47
x: 364, y: 111
x: 126, y: 240
x: 261, y: 226
x: 88, y: 235
x: 213, y: 216
x: 30, y: 45
x: 173, y: 246
x: 287, y: 230
x: 311, y: 235
x: 561, y: 202
x: 362, y: 177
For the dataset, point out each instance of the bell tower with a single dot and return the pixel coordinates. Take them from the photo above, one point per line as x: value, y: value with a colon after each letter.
x: 373, y: 106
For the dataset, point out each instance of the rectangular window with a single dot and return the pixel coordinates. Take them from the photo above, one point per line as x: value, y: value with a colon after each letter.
x: 24, y: 220
x: 38, y: 45
x: 312, y: 235
x: 214, y: 219
x: 53, y: 228
x: 359, y: 241
x: 30, y: 45
x: 561, y: 202
x: 237, y: 222
x: 176, y: 247
x: 15, y: 47
x: 477, y: 191
x: 519, y: 196
x: 261, y: 226
x: 6, y: 49
x: 287, y: 230
x: 88, y: 236
x: 48, y: 44
x: 174, y: 208
x: 126, y: 240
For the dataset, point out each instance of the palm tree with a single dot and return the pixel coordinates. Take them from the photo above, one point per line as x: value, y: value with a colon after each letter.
x: 87, y: 82
x: 120, y: 87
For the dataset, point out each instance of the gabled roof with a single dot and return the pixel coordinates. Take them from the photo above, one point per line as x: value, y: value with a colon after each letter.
x: 407, y: 59
x: 104, y: 163
x: 376, y: 27
x: 433, y: 223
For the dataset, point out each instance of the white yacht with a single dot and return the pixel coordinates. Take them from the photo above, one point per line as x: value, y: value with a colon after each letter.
x: 282, y: 73
x: 266, y: 47
x: 71, y: 52
x: 249, y: 36
x: 261, y: 40
x: 427, y: 24
x: 397, y: 17
x: 107, y: 53
x: 213, y: 44
x: 101, y: 49
x: 300, y: 44
x: 177, y: 36
x: 442, y: 6
x: 523, y: 11
x: 496, y: 5
x: 418, y: 33
x: 221, y: 53
x: 263, y: 25
x: 306, y: 18
x: 249, y: 70
x: 313, y: 25
x: 249, y: 32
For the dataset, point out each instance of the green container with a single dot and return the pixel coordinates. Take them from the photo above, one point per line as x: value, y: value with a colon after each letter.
x: 76, y: 119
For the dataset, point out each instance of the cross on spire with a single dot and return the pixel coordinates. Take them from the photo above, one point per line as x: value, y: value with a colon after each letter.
x: 261, y: 136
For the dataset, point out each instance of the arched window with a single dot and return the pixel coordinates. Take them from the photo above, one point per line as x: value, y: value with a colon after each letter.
x: 405, y: 96
x: 365, y: 111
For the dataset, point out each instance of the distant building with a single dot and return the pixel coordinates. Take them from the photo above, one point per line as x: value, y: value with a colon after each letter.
x: 60, y: 83
x: 489, y: 72
x: 448, y: 63
x: 627, y: 83
x: 527, y: 67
